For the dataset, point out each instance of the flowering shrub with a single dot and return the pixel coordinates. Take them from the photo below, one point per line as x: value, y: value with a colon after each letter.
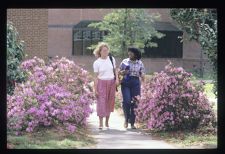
x: 170, y: 101
x: 54, y: 94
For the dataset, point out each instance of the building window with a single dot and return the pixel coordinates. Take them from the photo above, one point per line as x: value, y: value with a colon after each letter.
x: 84, y: 37
x: 77, y: 35
x: 169, y: 46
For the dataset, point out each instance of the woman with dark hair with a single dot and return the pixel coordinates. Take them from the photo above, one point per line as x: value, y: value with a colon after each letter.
x: 132, y: 69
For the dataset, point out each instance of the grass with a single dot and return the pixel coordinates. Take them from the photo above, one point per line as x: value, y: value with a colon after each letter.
x: 51, y: 139
x: 186, y: 139
x: 117, y: 104
x: 209, y: 90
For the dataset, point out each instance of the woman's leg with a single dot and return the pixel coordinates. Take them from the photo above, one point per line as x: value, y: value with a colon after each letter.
x: 107, y: 121
x: 111, y: 89
x: 135, y: 91
x: 126, y: 103
x: 100, y: 122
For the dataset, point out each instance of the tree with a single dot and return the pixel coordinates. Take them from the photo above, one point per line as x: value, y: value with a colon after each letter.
x: 128, y: 27
x: 15, y: 54
x: 201, y: 25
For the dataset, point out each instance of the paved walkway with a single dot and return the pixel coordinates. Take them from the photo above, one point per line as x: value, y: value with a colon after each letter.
x: 118, y: 137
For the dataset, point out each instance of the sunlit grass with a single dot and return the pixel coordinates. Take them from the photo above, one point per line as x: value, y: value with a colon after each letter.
x: 185, y: 139
x: 51, y: 139
x: 209, y: 90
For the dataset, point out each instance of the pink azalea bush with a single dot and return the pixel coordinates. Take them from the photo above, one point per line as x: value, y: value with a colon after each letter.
x: 57, y: 94
x: 170, y: 101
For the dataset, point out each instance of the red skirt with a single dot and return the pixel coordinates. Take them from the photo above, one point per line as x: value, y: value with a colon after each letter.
x: 106, y: 97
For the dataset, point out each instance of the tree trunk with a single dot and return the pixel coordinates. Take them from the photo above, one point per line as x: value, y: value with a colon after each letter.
x: 124, y: 46
x: 201, y: 65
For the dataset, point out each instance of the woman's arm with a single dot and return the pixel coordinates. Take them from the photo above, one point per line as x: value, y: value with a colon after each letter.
x: 117, y: 73
x: 122, y: 72
x: 143, y: 78
x: 95, y: 84
x: 117, y: 77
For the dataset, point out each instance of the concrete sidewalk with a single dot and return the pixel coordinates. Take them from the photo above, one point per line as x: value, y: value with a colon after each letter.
x: 117, y: 137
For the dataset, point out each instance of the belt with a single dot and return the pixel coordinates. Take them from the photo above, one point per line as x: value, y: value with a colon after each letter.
x: 133, y: 77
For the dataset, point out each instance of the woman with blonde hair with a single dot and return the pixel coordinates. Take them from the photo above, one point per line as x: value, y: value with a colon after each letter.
x: 105, y: 82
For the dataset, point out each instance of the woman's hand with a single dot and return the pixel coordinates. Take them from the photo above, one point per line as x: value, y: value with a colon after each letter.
x: 117, y: 82
x: 96, y: 94
x: 124, y: 72
x: 121, y: 72
x: 142, y: 79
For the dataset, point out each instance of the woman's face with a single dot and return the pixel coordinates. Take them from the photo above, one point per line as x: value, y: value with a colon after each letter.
x: 104, y: 52
x: 131, y: 55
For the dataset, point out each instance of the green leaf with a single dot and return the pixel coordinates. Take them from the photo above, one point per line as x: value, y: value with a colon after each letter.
x: 127, y: 27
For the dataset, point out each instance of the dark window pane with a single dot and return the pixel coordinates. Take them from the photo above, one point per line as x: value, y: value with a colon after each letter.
x: 77, y: 35
x: 96, y: 35
x: 87, y: 34
x: 168, y: 47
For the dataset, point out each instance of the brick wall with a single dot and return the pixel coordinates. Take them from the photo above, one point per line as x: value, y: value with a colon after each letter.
x: 59, y: 42
x: 74, y: 16
x: 32, y: 26
x: 60, y: 25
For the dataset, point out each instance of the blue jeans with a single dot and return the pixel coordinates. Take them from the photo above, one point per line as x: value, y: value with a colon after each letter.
x: 130, y: 88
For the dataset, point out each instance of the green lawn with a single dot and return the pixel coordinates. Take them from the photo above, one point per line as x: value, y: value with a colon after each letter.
x: 51, y: 139
x: 209, y: 90
x: 185, y: 139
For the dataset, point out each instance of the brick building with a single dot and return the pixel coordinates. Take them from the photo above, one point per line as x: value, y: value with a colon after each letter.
x: 49, y: 32
x: 32, y: 26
